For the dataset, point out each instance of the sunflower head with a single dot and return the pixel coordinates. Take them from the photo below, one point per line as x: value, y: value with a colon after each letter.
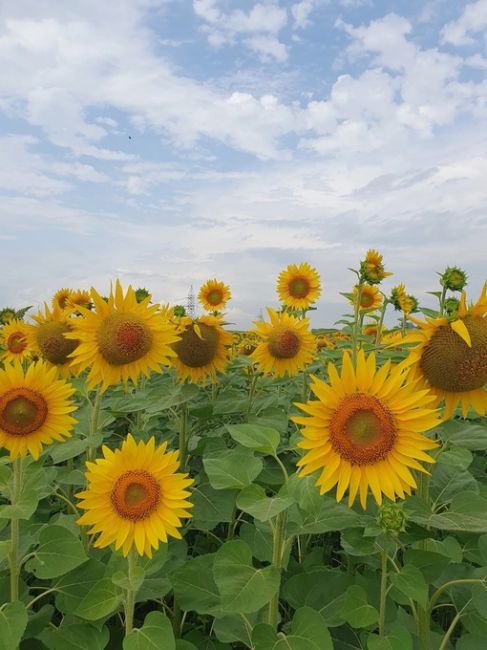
x: 79, y: 298
x: 15, y: 337
x: 370, y: 296
x: 372, y: 268
x: 286, y: 344
x: 453, y: 278
x: 7, y: 314
x: 135, y: 496
x: 121, y: 339
x: 61, y: 298
x: 298, y: 286
x: 324, y: 343
x: 397, y: 294
x: 408, y: 304
x: 34, y: 408
x: 49, y: 340
x: 247, y: 345
x: 202, y: 349
x: 214, y: 295
x: 365, y: 430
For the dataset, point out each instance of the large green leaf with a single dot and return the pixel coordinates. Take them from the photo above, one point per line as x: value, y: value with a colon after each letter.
x: 101, y: 600
x: 410, y: 582
x: 73, y: 586
x: 356, y: 610
x: 59, y: 551
x: 13, y: 620
x: 308, y: 632
x: 261, y: 438
x: 156, y: 633
x: 194, y: 586
x: 242, y: 587
x: 254, y: 500
x: 211, y: 506
x: 233, y: 469
x: 467, y: 512
x: 76, y: 637
x: 396, y: 638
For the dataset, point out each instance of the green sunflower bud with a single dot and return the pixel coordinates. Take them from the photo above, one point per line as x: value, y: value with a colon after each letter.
x: 141, y: 294
x: 7, y: 315
x: 391, y: 518
x: 179, y: 311
x: 452, y: 306
x: 453, y: 278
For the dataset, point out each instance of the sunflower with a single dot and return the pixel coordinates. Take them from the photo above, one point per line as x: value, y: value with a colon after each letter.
x: 214, y: 295
x: 135, y: 496
x: 15, y: 338
x: 365, y: 430
x: 77, y: 298
x: 452, y: 356
x: 370, y: 297
x: 61, y: 298
x: 121, y: 339
x: 48, y: 338
x: 247, y: 345
x: 323, y: 342
x: 202, y: 349
x: 287, y: 345
x: 34, y: 408
x: 298, y: 286
x: 372, y: 267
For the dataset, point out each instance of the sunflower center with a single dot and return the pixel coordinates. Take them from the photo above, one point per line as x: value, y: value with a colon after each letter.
x: 16, y: 342
x: 53, y: 345
x: 299, y: 287
x: 196, y: 352
x: 136, y: 495
x: 214, y: 297
x: 366, y: 300
x: 22, y: 411
x: 284, y: 344
x: 123, y: 338
x: 362, y: 429
x: 449, y: 364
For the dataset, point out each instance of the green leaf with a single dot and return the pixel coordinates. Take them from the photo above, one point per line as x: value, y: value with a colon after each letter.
x: 449, y: 480
x: 68, y: 449
x: 13, y: 621
x: 464, y: 434
x: 76, y: 637
x: 233, y: 469
x: 468, y: 513
x: 261, y: 438
x: 121, y: 579
x: 410, y: 582
x: 396, y: 638
x: 243, y: 588
x: 253, y: 500
x: 101, y: 600
x: 273, y: 417
x: 59, y: 551
x: 194, y: 586
x: 156, y: 633
x: 211, y: 507
x: 74, y: 586
x: 356, y: 610
x: 308, y: 632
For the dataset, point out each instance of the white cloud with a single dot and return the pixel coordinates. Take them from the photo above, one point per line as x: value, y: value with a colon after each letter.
x: 473, y: 20
x: 259, y: 27
x: 301, y: 12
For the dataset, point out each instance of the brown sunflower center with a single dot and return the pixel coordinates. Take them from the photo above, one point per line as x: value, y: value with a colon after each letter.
x: 16, y: 342
x: 284, y: 343
x: 51, y: 341
x: 366, y: 300
x: 214, y: 297
x: 449, y: 364
x: 123, y: 338
x: 22, y: 411
x: 136, y: 495
x: 196, y: 352
x: 362, y: 429
x: 299, y: 287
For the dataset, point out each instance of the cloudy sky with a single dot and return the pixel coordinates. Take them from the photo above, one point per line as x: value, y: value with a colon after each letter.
x: 165, y: 142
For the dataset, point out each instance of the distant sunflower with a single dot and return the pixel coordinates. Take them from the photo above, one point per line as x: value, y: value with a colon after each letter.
x: 61, y: 298
x: 365, y: 430
x: 34, y: 408
x: 298, y: 286
x: 78, y: 298
x: 452, y: 356
x: 323, y: 342
x: 202, y: 349
x: 15, y: 337
x: 370, y: 297
x: 121, y: 339
x: 286, y: 344
x: 214, y: 295
x: 372, y: 268
x: 135, y: 496
x: 48, y: 338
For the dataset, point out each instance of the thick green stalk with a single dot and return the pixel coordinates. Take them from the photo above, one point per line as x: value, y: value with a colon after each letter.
x: 383, y: 586
x: 356, y: 324
x: 277, y: 559
x: 424, y: 614
x: 183, y: 440
x: 253, y: 383
x: 130, y: 597
x: 94, y: 423
x: 381, y: 321
x: 13, y: 558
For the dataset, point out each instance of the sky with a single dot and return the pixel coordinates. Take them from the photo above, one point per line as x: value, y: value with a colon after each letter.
x: 166, y: 142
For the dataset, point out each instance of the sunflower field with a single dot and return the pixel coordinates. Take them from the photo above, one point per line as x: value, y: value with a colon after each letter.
x: 167, y: 483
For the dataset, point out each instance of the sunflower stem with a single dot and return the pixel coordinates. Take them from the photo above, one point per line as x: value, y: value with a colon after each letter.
x: 305, y: 386
x: 183, y: 442
x: 253, y: 384
x: 383, y: 586
x: 13, y: 558
x: 442, y: 301
x: 381, y: 320
x: 277, y: 560
x: 94, y: 425
x: 130, y: 599
x: 356, y: 324
x: 424, y: 613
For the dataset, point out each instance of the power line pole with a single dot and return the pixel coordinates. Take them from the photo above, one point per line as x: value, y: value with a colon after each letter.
x: 190, y: 303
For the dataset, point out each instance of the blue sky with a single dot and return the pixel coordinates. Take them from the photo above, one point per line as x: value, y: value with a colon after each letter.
x: 171, y: 141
